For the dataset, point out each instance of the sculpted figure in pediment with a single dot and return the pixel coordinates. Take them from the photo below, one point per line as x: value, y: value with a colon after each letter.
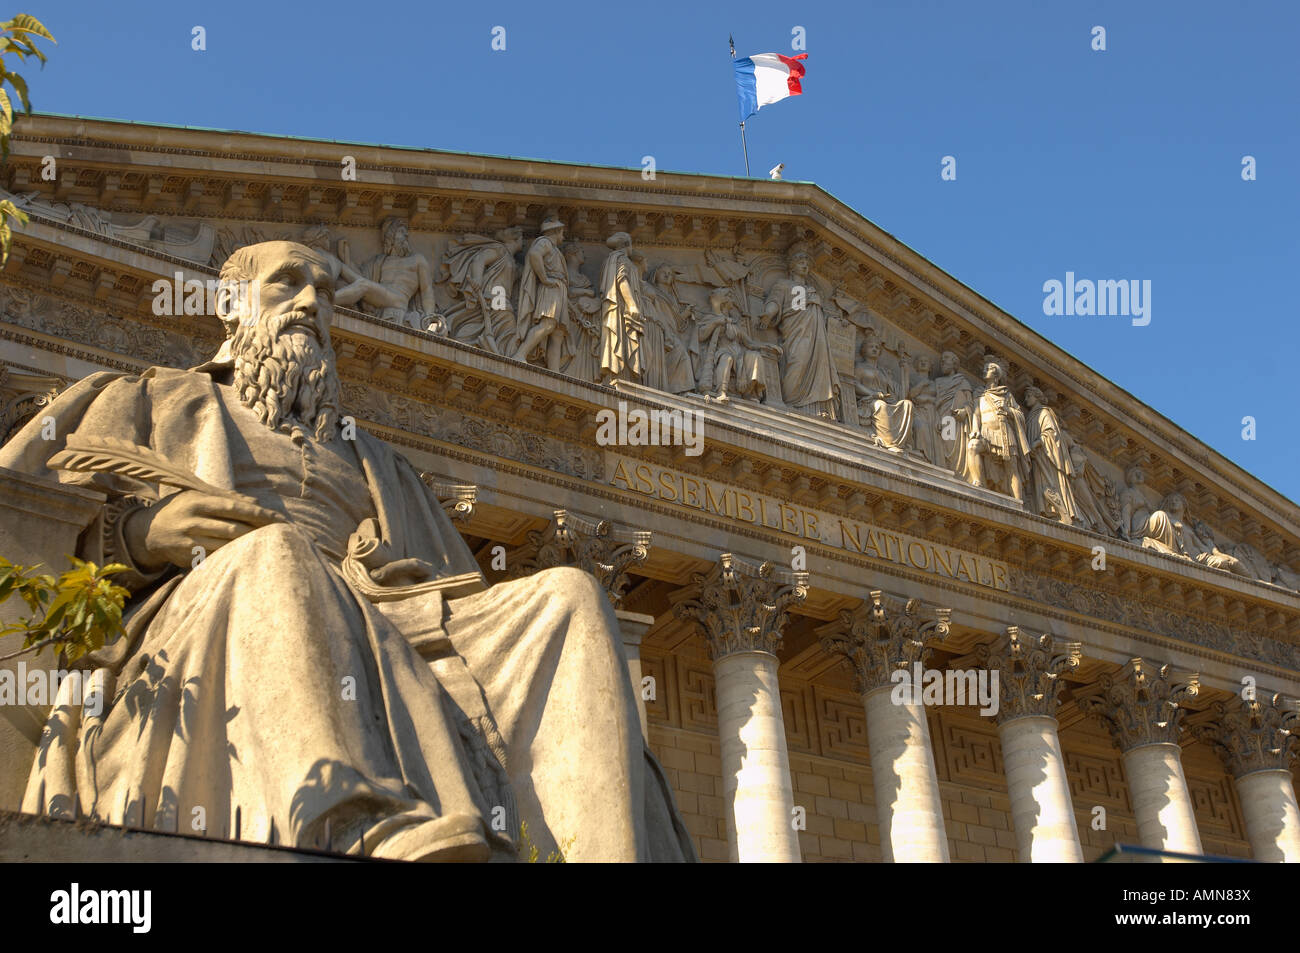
x: 623, y: 326
x: 395, y: 276
x: 882, y: 409
x: 733, y: 362
x: 998, y: 437
x: 794, y: 306
x: 956, y: 415
x: 924, y: 395
x: 1133, y: 508
x: 1171, y: 530
x: 1051, y: 464
x: 583, y: 324
x: 480, y: 272
x: 1094, y: 494
x: 676, y: 321
x: 544, y: 299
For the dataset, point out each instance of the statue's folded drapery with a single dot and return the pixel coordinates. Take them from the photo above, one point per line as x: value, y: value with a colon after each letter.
x: 262, y: 679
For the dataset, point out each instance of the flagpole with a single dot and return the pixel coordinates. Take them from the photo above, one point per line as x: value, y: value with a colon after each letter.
x: 744, y: 146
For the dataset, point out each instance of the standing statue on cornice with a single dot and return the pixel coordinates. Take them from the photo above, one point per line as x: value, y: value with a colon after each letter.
x: 623, y: 334
x: 998, y: 437
x: 881, y: 410
x: 481, y: 273
x: 794, y: 306
x: 956, y: 416
x: 395, y: 275
x: 1050, y: 462
x: 583, y: 323
x: 655, y: 342
x: 924, y: 395
x: 665, y: 307
x: 733, y: 361
x: 544, y: 298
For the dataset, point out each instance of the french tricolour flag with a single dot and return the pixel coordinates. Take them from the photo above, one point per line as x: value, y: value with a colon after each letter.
x: 766, y: 78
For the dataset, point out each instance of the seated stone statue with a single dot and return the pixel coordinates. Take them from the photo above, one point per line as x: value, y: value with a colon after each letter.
x: 308, y: 640
x: 732, y: 358
x: 1168, y: 530
x: 887, y: 416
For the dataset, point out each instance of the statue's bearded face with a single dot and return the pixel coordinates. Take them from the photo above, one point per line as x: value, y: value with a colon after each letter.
x: 284, y: 361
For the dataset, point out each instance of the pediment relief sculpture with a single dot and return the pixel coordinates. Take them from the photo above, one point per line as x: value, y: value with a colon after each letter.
x: 726, y: 324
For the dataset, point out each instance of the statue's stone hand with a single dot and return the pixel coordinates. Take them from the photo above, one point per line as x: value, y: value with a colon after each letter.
x: 167, y: 533
x: 403, y: 572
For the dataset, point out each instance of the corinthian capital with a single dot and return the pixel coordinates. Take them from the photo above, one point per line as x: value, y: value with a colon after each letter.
x: 1141, y: 704
x: 1250, y: 735
x: 876, y: 639
x: 1029, y: 671
x: 740, y: 606
x: 597, y: 547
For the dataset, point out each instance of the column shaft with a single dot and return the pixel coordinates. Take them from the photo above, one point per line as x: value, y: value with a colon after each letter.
x: 1161, y: 802
x: 1041, y: 809
x: 906, y: 786
x: 1268, y: 803
x: 758, y: 800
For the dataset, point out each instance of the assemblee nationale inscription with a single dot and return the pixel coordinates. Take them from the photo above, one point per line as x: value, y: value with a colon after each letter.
x: 746, y: 506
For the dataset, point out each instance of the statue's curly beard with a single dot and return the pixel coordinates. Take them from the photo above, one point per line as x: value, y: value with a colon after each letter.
x: 286, y: 374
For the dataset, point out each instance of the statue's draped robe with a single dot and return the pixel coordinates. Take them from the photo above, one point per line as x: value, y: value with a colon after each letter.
x: 540, y: 302
x: 473, y: 319
x: 925, y: 422
x: 624, y: 337
x: 1053, y: 469
x: 262, y: 679
x: 808, y: 381
x: 955, y: 393
x: 889, y: 420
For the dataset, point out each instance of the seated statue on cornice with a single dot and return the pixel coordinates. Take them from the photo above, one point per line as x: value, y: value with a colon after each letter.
x: 1170, y: 530
x: 881, y: 411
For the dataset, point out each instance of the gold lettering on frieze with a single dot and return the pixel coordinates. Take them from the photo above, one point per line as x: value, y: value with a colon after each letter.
x: 850, y: 535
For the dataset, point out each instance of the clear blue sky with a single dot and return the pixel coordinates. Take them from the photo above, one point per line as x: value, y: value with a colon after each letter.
x: 1117, y: 164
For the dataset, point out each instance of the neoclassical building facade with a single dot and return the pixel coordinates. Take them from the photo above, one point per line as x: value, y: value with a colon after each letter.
x: 808, y: 468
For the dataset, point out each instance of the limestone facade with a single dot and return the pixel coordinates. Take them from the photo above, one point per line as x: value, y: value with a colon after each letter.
x: 504, y: 323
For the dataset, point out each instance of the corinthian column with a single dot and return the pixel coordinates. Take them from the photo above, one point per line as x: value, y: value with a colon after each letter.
x: 876, y: 641
x: 741, y: 608
x: 1255, y: 739
x: 1142, y: 708
x: 1029, y: 672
